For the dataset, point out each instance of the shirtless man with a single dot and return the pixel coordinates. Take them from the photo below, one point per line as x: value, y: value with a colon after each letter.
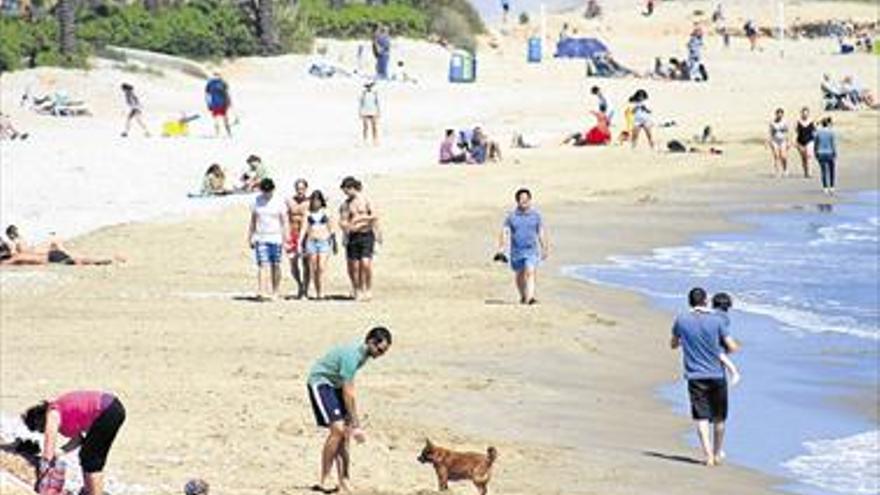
x: 297, y: 209
x: 360, y: 223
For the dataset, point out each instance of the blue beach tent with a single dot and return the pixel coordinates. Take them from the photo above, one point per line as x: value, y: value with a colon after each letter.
x: 580, y: 48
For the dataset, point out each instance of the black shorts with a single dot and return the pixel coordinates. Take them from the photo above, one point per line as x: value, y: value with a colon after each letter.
x: 96, y: 445
x: 360, y: 245
x: 327, y: 404
x: 708, y: 399
x: 60, y: 257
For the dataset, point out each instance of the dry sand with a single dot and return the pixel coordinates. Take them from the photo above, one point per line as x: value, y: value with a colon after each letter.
x: 214, y: 386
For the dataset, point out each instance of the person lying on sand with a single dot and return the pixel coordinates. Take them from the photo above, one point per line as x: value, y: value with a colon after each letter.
x: 15, y: 251
x: 598, y: 135
x: 8, y: 131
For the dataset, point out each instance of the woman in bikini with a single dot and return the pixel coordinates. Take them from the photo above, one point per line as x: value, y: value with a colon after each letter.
x: 805, y: 130
x: 319, y: 239
x: 779, y: 143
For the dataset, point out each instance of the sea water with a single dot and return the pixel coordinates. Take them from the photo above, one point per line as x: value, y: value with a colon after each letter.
x: 805, y: 289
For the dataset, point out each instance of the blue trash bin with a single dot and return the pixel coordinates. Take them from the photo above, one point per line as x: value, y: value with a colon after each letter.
x: 534, y: 55
x: 462, y: 67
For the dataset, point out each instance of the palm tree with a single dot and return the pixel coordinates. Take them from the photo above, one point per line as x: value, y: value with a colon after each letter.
x: 67, y: 27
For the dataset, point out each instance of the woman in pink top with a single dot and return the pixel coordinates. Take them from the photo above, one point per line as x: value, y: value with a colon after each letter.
x: 89, y: 419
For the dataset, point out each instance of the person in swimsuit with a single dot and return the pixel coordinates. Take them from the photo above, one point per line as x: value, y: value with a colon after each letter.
x: 319, y: 240
x: 135, y: 110
x: 806, y: 131
x: 641, y: 118
x: 16, y: 251
x: 368, y: 108
x: 779, y: 143
x: 90, y: 419
x: 297, y: 209
x: 360, y: 223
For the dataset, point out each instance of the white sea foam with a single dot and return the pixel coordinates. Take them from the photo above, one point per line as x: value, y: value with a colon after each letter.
x: 810, y: 322
x: 849, y: 233
x: 848, y: 465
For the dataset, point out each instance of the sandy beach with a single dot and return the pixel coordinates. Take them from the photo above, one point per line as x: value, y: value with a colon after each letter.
x: 214, y: 384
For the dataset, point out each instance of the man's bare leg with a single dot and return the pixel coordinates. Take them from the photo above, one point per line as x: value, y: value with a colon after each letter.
x: 366, y: 270
x: 276, y: 278
x: 374, y: 123
x: 354, y: 277
x: 343, y: 462
x: 262, y: 281
x: 718, y: 442
x: 521, y: 285
x: 529, y: 276
x: 335, y: 437
x: 227, y: 126
x: 705, y: 442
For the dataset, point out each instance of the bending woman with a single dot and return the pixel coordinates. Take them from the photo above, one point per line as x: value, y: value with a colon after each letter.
x: 90, y: 420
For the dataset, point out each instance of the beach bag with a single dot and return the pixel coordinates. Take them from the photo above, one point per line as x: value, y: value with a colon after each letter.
x: 676, y: 146
x: 52, y: 480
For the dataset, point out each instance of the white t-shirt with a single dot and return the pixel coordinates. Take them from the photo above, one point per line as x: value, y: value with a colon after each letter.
x: 269, y: 211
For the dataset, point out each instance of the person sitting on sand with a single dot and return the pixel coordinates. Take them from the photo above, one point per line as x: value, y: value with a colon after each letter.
x: 16, y: 251
x: 448, y: 152
x: 90, y: 420
x: 482, y: 148
x: 256, y: 172
x: 135, y: 110
x: 779, y: 142
x: 8, y: 131
x: 319, y: 239
x: 214, y: 182
x: 721, y: 304
x: 598, y: 135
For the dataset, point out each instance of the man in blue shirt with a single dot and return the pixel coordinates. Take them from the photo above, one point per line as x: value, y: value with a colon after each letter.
x: 703, y: 336
x: 524, y: 229
x: 332, y: 394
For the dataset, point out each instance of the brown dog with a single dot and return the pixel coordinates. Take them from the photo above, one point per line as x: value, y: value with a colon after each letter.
x: 460, y: 465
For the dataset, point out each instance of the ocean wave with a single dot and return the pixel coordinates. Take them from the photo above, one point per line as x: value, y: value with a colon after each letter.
x: 845, y: 465
x: 866, y: 233
x: 810, y: 322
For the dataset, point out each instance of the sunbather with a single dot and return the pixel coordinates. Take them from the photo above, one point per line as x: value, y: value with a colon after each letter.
x: 8, y: 131
x: 214, y: 182
x: 449, y: 150
x: 598, y: 135
x: 16, y: 251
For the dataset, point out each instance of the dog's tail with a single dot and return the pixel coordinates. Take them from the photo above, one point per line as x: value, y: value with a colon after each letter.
x: 492, y: 453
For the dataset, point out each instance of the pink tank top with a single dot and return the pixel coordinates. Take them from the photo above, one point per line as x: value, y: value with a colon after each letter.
x: 79, y: 410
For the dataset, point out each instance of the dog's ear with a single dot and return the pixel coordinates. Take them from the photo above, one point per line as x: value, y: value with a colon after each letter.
x: 428, y: 442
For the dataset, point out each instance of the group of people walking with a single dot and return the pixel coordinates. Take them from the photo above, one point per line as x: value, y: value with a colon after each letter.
x: 810, y: 138
x: 304, y: 229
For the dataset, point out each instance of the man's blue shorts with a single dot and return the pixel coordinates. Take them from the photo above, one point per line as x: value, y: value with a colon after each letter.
x: 522, y: 261
x: 327, y: 404
x: 267, y: 253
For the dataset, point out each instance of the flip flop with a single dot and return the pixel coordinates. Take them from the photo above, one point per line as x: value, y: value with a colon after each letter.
x: 321, y: 489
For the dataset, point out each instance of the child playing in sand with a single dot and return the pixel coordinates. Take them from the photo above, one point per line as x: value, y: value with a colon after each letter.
x: 721, y: 303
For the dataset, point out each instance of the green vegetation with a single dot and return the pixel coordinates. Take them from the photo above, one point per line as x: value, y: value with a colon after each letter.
x: 209, y: 29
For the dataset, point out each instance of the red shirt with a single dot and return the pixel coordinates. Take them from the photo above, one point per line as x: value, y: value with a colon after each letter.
x: 78, y: 410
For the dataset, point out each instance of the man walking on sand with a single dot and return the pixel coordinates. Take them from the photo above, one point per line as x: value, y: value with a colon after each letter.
x: 332, y: 394
x: 360, y: 223
x: 703, y: 337
x: 218, y: 102
x: 524, y: 228
x: 297, y: 210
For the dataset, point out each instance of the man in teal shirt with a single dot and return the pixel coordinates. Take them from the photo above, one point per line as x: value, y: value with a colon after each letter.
x: 332, y: 394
